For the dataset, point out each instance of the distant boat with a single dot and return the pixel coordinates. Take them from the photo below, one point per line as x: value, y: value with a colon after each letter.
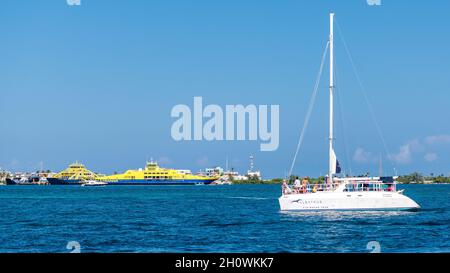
x: 19, y: 180
x: 42, y: 181
x: 153, y: 175
x: 93, y: 183
x: 347, y: 193
x: 26, y: 180
x: 75, y: 174
x: 10, y: 181
x: 224, y: 180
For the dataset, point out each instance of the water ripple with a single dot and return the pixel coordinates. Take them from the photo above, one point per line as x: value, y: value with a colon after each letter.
x: 239, y: 218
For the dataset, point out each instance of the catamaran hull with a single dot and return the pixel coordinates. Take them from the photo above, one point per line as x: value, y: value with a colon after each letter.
x: 347, y: 201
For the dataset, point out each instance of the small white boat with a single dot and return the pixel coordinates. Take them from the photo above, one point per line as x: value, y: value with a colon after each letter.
x: 343, y: 193
x: 93, y: 183
x: 41, y: 181
x: 224, y: 180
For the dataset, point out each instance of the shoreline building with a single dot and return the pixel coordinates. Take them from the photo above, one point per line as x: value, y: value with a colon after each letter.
x: 251, y: 172
x: 216, y: 171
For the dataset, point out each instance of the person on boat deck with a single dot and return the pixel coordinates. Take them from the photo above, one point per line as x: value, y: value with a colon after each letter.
x: 297, y: 183
x: 304, y: 185
x: 285, y: 187
x: 305, y: 181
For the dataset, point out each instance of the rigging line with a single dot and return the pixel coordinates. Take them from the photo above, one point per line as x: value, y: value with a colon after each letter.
x: 341, y: 117
x: 310, y: 108
x: 369, y: 105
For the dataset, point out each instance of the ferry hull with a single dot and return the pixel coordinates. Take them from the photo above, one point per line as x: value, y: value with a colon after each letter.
x: 161, y: 182
x: 57, y: 181
x: 67, y: 182
x: 347, y: 201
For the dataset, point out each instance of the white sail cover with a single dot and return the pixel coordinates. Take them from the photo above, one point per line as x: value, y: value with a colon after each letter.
x: 336, y: 168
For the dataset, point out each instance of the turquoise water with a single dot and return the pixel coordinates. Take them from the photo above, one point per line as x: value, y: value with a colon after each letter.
x: 238, y: 218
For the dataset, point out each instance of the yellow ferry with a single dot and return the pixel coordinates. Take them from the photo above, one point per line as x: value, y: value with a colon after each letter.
x: 152, y: 174
x: 75, y: 174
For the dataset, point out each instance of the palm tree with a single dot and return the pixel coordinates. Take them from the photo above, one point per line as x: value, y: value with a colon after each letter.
x: 416, y: 177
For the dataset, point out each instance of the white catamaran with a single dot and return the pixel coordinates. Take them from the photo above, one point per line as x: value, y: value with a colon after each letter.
x: 347, y: 193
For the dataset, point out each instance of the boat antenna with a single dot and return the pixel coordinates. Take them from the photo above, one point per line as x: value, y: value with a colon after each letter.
x: 226, y: 164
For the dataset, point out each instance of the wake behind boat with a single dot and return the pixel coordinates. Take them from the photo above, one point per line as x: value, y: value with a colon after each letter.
x: 348, y: 193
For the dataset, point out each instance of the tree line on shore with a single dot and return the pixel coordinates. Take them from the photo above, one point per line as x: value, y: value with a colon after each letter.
x: 418, y: 178
x: 413, y: 178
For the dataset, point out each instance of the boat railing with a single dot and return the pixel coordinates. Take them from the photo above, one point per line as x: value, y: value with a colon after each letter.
x: 307, y: 188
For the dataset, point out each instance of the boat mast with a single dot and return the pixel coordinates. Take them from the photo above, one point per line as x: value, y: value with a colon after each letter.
x: 331, y: 152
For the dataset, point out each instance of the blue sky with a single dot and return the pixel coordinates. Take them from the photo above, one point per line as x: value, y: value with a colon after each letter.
x: 96, y: 82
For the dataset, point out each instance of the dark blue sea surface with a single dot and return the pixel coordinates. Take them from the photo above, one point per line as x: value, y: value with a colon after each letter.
x: 232, y: 218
